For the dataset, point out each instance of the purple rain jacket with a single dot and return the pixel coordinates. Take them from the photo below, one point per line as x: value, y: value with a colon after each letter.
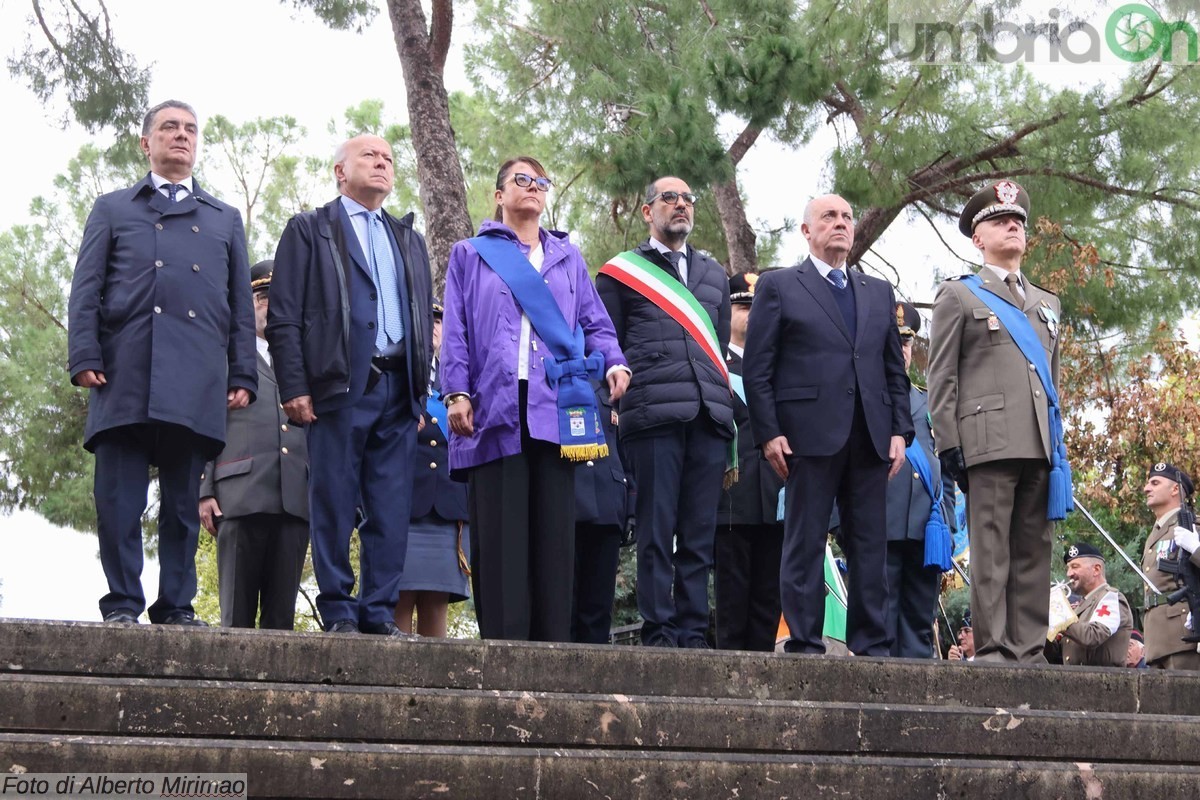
x: 481, y: 330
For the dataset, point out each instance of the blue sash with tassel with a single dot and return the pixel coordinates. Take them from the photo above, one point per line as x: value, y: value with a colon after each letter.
x: 570, y: 372
x: 1061, y: 500
x: 938, y: 546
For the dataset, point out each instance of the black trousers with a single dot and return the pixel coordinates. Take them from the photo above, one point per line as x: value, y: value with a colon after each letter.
x: 123, y: 459
x: 522, y: 510
x: 857, y: 478
x: 912, y: 599
x: 259, y: 561
x: 597, y: 557
x: 747, y: 586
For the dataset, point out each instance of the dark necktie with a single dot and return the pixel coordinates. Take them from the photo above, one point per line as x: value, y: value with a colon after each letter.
x: 173, y: 191
x: 1013, y: 283
x: 673, y: 257
x: 838, y: 277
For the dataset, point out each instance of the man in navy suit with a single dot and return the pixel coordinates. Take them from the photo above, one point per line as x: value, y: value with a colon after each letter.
x: 828, y: 398
x: 350, y: 326
x: 162, y: 334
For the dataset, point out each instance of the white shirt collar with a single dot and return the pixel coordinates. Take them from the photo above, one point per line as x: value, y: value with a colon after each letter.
x: 737, y: 351
x: 662, y: 248
x: 188, y: 183
x: 263, y: 348
x: 825, y: 269
x: 1002, y: 273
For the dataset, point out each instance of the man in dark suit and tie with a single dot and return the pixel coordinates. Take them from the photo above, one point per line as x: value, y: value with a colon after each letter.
x: 162, y: 334
x: 254, y: 497
x: 670, y: 306
x: 350, y: 327
x: 828, y: 398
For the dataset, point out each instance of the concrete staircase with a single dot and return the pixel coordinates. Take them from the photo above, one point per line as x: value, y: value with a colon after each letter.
x: 328, y: 716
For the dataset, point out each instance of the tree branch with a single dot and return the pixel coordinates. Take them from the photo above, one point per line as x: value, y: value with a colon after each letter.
x: 441, y: 24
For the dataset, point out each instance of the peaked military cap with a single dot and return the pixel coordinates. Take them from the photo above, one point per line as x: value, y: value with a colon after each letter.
x: 260, y: 275
x: 1173, y: 473
x: 907, y: 319
x: 994, y: 200
x: 741, y: 288
x: 1081, y: 550
x: 438, y: 310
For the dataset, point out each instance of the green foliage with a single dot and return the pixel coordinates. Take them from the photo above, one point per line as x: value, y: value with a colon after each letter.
x: 341, y: 15
x: 74, y: 54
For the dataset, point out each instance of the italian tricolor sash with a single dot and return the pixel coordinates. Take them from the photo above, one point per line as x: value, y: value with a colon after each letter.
x: 657, y: 286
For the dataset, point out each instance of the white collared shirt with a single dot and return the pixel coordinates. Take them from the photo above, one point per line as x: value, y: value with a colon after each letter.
x: 1002, y: 273
x: 683, y: 261
x: 186, y: 187
x: 537, y: 257
x: 737, y: 351
x: 263, y: 349
x: 825, y: 269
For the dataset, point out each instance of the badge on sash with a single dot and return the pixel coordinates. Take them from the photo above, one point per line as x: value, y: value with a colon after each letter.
x: 993, y: 323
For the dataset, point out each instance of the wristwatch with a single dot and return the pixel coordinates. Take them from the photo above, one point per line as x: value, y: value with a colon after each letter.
x: 451, y: 399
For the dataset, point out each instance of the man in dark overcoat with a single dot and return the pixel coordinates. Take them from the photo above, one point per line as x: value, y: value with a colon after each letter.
x: 254, y: 497
x: 162, y: 334
x: 350, y: 328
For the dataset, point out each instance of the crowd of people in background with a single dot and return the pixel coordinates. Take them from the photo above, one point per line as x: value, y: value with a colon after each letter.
x: 503, y: 445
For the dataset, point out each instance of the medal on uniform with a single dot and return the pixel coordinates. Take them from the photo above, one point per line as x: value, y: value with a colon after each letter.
x: 993, y: 323
x: 1049, y: 317
x: 614, y: 417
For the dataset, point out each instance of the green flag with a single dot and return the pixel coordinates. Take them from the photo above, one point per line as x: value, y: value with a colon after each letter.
x: 835, y: 599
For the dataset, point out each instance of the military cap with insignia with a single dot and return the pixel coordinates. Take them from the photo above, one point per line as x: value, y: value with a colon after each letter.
x: 438, y: 310
x: 994, y: 200
x: 1081, y: 550
x: 260, y: 275
x: 1173, y: 473
x: 741, y: 288
x: 907, y: 319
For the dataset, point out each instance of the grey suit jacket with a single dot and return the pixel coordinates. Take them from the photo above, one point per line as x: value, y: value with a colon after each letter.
x: 264, y: 466
x: 983, y: 393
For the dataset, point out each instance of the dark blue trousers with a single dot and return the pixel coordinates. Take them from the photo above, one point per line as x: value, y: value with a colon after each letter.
x: 597, y: 557
x: 123, y: 459
x: 363, y: 454
x: 912, y: 602
x: 678, y: 469
x: 856, y: 478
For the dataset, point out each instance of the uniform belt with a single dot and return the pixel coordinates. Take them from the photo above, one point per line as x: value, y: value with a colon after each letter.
x: 389, y: 363
x: 1155, y: 602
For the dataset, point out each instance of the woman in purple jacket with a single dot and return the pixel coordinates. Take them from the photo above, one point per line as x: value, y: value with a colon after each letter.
x: 518, y: 415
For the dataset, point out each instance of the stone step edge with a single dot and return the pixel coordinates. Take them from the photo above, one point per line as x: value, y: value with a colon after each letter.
x: 277, y: 769
x: 239, y: 710
x: 269, y: 656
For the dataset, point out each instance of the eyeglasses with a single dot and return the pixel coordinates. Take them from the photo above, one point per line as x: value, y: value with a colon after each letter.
x: 673, y: 197
x: 524, y: 181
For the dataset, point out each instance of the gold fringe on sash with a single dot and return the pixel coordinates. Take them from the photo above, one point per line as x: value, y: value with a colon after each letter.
x: 583, y: 452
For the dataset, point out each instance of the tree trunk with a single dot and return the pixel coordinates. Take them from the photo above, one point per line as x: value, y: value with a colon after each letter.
x: 739, y: 236
x: 439, y: 172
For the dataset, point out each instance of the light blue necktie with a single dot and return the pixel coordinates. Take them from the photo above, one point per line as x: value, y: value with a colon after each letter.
x: 838, y: 277
x: 390, y: 323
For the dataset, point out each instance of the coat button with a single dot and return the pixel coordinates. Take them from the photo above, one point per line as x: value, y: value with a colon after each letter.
x: 916, y: 476
x: 591, y: 463
x: 979, y: 408
x: 850, y: 390
x: 433, y: 465
x: 191, y: 314
x: 283, y: 450
x: 158, y: 309
x: 158, y: 263
x: 1037, y: 393
x: 195, y: 267
x: 371, y: 325
x: 514, y: 338
x: 433, y: 442
x: 201, y: 476
x: 434, y: 420
x: 195, y: 229
x: 158, y: 226
x: 283, y: 427
x: 1032, y: 368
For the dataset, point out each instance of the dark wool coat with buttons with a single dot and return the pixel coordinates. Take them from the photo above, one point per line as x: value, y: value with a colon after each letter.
x: 160, y: 303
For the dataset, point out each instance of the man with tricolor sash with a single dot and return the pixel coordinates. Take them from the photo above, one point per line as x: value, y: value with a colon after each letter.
x: 669, y: 304
x: 993, y: 383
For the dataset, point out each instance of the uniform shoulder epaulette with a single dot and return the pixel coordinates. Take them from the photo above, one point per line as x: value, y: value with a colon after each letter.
x: 1043, y: 288
x: 960, y: 277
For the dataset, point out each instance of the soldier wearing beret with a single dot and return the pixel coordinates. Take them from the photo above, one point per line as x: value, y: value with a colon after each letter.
x: 1166, y: 490
x: 911, y: 505
x: 749, y: 540
x: 1100, y: 637
x: 993, y: 381
x: 254, y: 497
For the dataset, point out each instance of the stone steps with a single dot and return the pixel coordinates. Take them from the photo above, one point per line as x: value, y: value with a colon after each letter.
x: 324, y: 716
